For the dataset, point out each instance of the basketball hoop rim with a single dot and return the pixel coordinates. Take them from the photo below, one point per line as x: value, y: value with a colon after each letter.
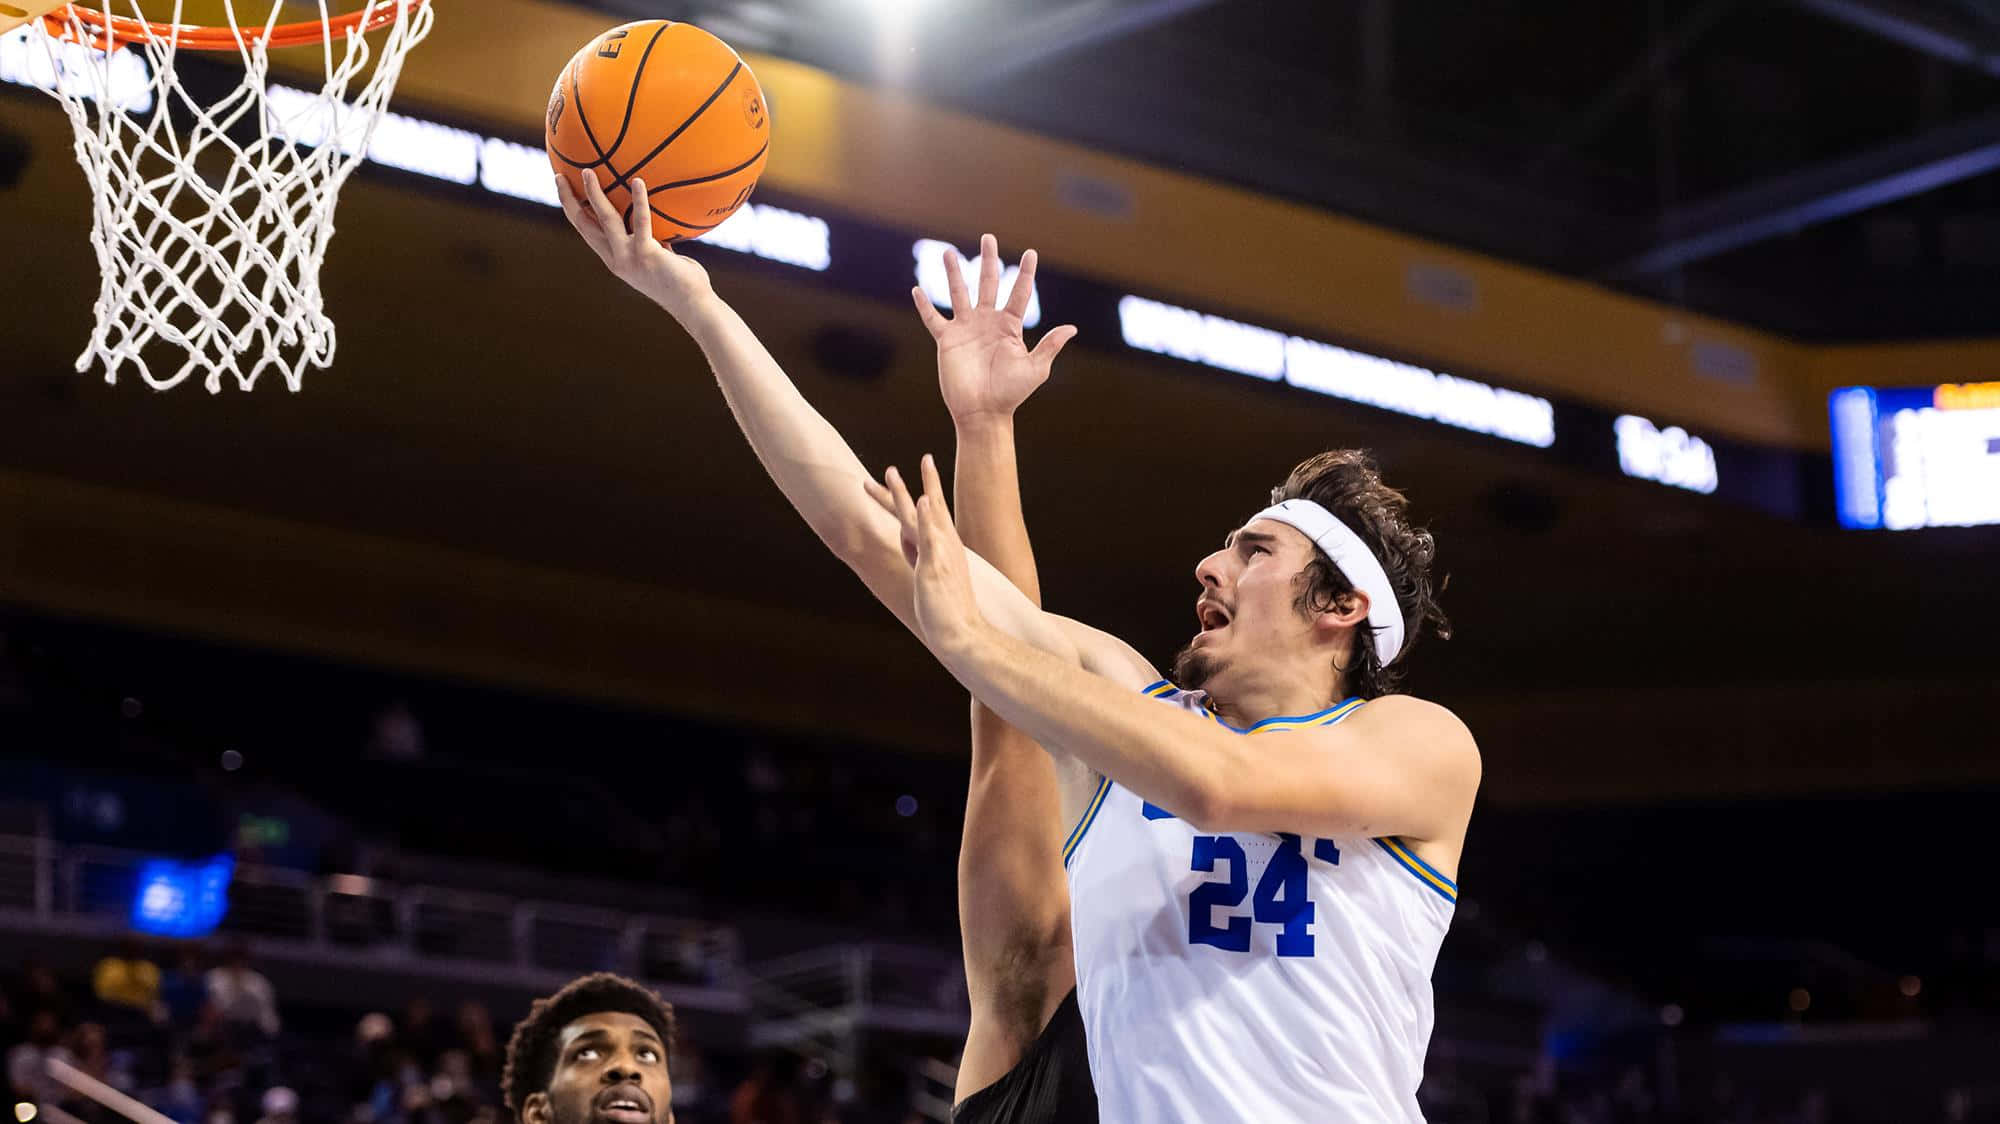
x: 201, y: 37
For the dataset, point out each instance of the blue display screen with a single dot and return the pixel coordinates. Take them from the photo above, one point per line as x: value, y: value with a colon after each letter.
x: 181, y: 899
x: 1912, y: 457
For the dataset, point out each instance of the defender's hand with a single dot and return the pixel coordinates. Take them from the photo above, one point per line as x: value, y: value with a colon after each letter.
x: 629, y: 249
x: 984, y: 366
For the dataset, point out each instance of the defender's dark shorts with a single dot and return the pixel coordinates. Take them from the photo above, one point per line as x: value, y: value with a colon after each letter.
x: 1049, y: 1085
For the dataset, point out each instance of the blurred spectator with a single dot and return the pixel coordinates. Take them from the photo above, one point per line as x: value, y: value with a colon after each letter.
x: 126, y: 978
x: 398, y: 734
x: 479, y: 1041
x: 41, y: 991
x: 422, y: 1034
x: 27, y: 1063
x: 92, y: 1050
x: 689, y: 1073
x: 766, y: 1096
x: 180, y: 1098
x: 241, y: 996
x: 280, y: 1106
x: 184, y: 988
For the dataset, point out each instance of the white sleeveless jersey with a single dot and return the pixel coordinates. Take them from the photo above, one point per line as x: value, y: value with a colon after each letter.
x: 1262, y: 979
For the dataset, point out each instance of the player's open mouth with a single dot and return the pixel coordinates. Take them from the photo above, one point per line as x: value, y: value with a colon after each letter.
x: 625, y: 1104
x: 1211, y: 615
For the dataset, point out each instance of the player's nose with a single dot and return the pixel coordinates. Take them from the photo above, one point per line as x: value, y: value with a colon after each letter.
x: 1209, y: 571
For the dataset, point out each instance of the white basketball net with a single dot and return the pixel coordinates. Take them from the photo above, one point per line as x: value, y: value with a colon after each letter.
x: 212, y: 218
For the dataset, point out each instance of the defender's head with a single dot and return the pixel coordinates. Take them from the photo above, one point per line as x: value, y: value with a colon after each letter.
x: 1276, y: 606
x: 593, y: 1053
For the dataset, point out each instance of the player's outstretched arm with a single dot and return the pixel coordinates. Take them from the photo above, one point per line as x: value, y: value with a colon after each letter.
x: 1013, y: 903
x: 1398, y: 767
x: 807, y: 458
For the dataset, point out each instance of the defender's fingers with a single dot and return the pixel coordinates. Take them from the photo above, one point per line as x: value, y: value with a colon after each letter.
x: 989, y: 271
x: 926, y: 311
x: 883, y: 498
x: 954, y: 279
x: 1052, y: 344
x: 933, y: 485
x: 906, y: 508
x: 1024, y: 286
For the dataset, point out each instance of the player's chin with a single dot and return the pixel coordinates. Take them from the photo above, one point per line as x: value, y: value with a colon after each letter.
x: 1196, y: 664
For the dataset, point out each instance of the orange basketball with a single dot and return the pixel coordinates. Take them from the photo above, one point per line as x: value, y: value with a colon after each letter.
x: 672, y: 105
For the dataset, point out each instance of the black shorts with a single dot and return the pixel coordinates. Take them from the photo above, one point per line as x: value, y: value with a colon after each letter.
x: 1049, y: 1085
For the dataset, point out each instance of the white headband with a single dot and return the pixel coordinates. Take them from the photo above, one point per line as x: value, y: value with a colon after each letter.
x: 1347, y: 552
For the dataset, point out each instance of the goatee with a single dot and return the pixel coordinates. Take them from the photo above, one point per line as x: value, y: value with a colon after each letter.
x: 1194, y: 668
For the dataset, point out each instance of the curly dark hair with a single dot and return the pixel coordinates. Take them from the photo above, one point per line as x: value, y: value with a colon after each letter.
x: 531, y: 1052
x: 1347, y: 483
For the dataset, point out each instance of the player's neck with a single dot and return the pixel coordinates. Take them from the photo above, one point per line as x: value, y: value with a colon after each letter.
x: 1290, y: 697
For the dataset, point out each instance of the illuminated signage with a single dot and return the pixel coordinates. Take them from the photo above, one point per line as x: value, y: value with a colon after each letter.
x: 77, y: 70
x: 503, y: 167
x: 1356, y: 376
x: 1669, y: 456
x: 936, y: 283
x: 176, y: 899
x: 1910, y: 458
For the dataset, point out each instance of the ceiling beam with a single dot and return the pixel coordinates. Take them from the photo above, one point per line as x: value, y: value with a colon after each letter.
x: 1589, y: 124
x: 1036, y: 42
x: 1791, y: 202
x: 1917, y: 30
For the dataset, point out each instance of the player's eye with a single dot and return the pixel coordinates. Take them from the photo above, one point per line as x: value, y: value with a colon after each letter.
x: 587, y: 1053
x: 648, y: 1054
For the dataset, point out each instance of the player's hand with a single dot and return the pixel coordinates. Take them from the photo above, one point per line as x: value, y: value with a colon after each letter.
x: 984, y: 366
x: 629, y: 249
x: 947, y: 612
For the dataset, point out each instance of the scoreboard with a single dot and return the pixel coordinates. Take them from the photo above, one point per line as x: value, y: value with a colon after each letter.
x: 1905, y: 458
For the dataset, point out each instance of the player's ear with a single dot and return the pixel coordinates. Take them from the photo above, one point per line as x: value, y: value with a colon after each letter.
x: 535, y: 1110
x: 1349, y: 610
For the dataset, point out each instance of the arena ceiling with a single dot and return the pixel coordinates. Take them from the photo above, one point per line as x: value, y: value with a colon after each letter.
x: 1821, y: 168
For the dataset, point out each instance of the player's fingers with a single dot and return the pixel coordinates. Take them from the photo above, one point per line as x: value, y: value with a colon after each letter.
x: 1052, y: 344
x: 906, y: 508
x: 579, y: 216
x: 882, y: 496
x: 954, y: 279
x: 989, y: 271
x: 600, y: 204
x: 927, y: 311
x: 642, y: 210
x: 1024, y: 286
x: 933, y: 486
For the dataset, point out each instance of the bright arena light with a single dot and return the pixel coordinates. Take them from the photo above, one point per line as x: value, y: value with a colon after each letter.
x: 24, y: 1112
x: 1669, y: 456
x: 81, y: 70
x: 1356, y: 376
x: 520, y: 171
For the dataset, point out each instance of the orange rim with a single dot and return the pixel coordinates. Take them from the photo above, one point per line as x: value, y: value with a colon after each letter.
x: 197, y: 37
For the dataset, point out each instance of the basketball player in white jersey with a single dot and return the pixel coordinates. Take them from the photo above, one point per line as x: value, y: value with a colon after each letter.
x: 1261, y: 869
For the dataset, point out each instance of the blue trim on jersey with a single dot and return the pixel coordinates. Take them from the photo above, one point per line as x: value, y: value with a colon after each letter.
x: 1090, y: 811
x: 1325, y: 717
x: 1425, y: 872
x: 1303, y: 718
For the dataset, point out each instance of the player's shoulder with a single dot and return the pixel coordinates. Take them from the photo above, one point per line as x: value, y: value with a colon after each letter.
x: 1421, y: 724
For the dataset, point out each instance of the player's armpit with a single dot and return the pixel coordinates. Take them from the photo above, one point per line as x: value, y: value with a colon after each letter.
x: 1399, y: 766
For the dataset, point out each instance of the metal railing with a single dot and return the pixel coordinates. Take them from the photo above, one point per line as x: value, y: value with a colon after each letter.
x: 292, y: 912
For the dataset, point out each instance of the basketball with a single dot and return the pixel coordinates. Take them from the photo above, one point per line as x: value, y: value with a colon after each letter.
x: 672, y: 105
